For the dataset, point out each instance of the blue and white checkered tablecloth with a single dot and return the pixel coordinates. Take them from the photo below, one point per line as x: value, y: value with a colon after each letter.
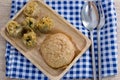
x: 17, y: 66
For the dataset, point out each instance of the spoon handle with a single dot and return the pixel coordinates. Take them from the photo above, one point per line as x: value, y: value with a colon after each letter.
x: 93, y: 56
x: 99, y: 54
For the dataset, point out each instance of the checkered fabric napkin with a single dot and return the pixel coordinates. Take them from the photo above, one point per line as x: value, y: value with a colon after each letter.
x: 17, y: 66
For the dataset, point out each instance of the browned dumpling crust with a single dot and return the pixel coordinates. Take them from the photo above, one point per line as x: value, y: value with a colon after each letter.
x: 14, y: 29
x: 45, y: 24
x: 57, y: 50
x: 32, y: 9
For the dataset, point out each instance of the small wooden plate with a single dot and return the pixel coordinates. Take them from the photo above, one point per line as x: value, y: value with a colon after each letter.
x: 81, y: 41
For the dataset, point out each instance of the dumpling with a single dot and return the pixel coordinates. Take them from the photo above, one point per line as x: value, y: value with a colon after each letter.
x: 29, y: 38
x: 30, y: 22
x: 14, y: 29
x: 45, y: 24
x: 32, y: 9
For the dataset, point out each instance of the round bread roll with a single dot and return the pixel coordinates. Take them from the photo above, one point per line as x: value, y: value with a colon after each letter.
x: 57, y: 50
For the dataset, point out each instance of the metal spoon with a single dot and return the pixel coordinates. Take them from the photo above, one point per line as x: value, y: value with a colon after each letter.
x: 90, y: 20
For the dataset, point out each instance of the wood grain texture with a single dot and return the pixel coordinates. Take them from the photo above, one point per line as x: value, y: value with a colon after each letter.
x: 81, y: 42
x: 4, y: 16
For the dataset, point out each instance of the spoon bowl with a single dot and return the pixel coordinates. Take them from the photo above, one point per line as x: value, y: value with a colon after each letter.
x: 90, y: 16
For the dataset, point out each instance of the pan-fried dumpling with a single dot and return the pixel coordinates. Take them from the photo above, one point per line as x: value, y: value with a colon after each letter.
x: 14, y: 29
x: 29, y: 37
x: 30, y: 22
x: 45, y: 24
x: 32, y: 9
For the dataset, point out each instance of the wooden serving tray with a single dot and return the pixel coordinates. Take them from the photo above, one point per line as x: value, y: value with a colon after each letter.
x: 81, y: 41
